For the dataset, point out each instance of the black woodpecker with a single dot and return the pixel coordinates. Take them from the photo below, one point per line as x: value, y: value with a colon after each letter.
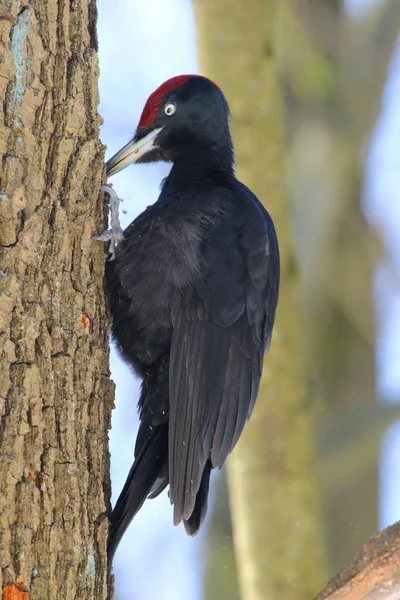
x: 192, y: 288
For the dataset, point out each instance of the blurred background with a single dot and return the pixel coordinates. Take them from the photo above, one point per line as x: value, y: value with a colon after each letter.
x: 337, y: 64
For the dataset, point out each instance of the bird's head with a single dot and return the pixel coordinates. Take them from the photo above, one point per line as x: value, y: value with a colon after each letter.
x: 185, y: 113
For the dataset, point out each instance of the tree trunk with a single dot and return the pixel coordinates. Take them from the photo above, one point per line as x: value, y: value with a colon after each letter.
x: 276, y: 517
x: 55, y: 393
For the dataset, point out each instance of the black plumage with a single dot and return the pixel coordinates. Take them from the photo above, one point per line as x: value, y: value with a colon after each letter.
x: 192, y: 290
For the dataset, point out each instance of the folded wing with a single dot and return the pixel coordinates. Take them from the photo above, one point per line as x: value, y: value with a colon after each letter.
x: 221, y: 332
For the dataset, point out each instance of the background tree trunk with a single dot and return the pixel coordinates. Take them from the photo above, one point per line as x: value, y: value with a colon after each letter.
x: 55, y: 393
x: 276, y: 518
x: 333, y: 70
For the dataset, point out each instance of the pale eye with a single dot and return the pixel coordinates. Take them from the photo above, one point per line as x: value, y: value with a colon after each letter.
x: 170, y: 109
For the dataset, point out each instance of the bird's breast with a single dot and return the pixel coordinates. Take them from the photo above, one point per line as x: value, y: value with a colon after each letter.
x: 153, y: 267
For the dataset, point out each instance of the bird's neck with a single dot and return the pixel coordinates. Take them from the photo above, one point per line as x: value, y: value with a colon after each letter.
x: 203, y: 163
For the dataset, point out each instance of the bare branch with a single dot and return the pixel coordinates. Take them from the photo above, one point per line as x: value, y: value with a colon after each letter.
x: 374, y: 573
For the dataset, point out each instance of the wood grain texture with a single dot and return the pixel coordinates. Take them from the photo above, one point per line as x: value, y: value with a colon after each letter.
x: 55, y: 392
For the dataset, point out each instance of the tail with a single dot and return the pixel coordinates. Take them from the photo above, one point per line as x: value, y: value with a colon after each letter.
x: 143, y: 479
x: 192, y: 525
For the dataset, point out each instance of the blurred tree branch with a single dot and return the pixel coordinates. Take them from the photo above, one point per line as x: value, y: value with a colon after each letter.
x: 374, y: 574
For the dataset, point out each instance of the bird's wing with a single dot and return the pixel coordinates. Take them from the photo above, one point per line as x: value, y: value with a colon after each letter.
x: 220, y: 335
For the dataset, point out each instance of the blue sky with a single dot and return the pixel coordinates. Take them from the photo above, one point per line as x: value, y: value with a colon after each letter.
x: 141, y: 45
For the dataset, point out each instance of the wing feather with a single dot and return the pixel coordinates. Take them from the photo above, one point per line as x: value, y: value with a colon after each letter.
x: 220, y: 334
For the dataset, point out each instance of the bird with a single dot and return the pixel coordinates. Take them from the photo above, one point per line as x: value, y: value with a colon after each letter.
x: 192, y: 289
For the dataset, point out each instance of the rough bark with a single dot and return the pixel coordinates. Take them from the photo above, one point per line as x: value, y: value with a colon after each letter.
x: 55, y: 393
x: 274, y: 499
x: 374, y: 574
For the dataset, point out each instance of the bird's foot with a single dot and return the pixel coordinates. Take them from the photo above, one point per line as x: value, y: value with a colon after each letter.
x: 115, y: 234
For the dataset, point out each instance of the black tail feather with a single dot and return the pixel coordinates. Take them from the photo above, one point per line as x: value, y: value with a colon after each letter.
x: 139, y: 483
x: 192, y: 525
x: 162, y: 481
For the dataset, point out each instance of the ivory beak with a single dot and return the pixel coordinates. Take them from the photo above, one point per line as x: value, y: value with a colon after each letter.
x: 132, y: 152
